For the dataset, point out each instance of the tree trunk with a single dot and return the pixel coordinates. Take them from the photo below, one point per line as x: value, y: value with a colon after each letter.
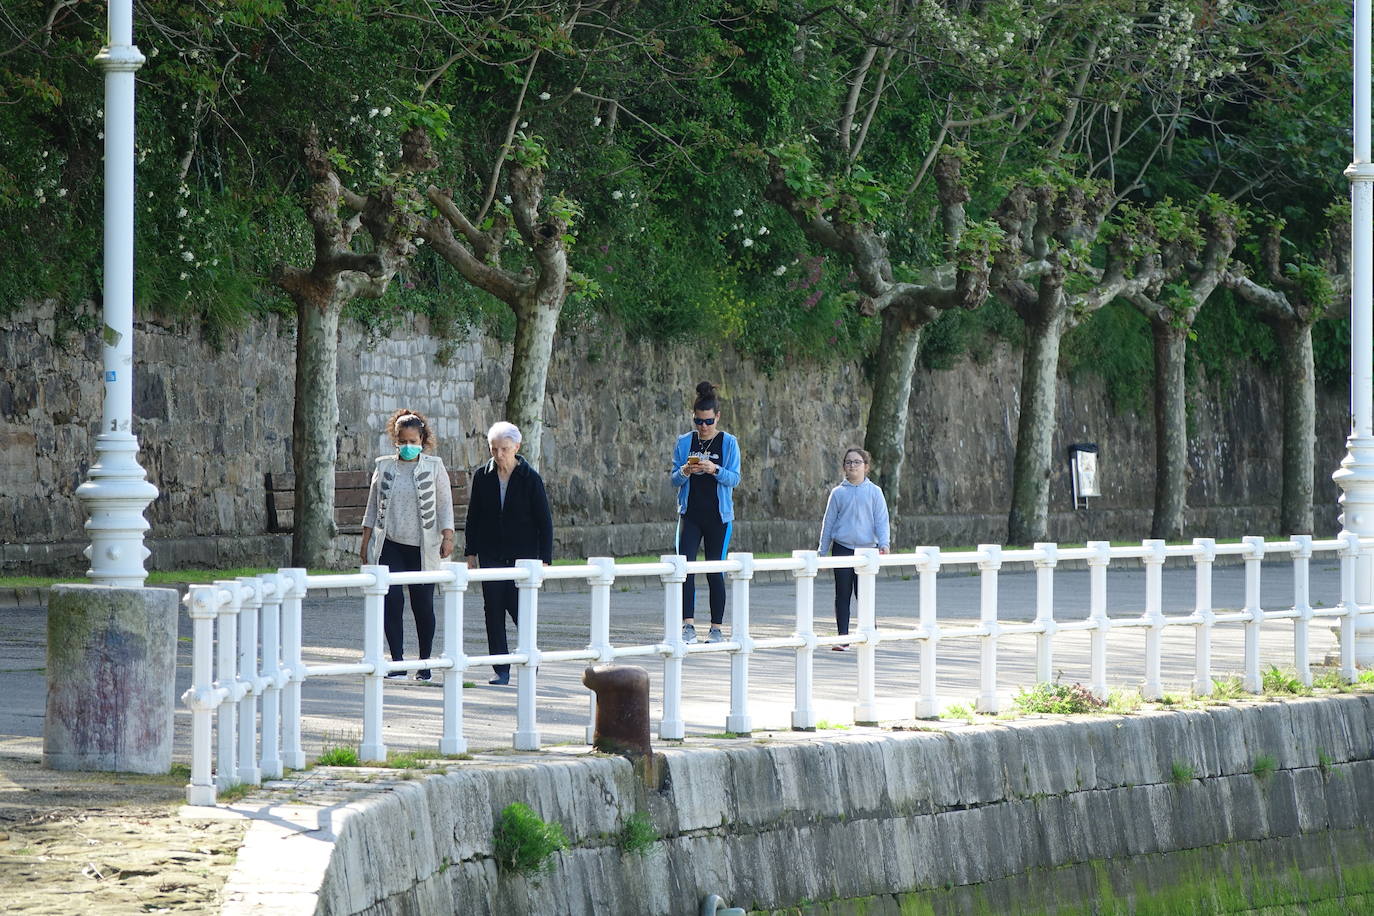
x: 1030, y: 488
x: 885, y: 434
x: 1171, y: 430
x: 314, y: 428
x: 536, y: 323
x: 1299, y: 422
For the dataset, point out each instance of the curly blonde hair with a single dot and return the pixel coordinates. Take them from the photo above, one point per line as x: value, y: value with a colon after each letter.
x: 405, y: 418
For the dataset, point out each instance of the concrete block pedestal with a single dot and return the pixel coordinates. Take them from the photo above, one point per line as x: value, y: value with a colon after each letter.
x: 111, y: 678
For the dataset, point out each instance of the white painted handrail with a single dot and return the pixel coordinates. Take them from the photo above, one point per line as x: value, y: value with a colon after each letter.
x: 248, y: 672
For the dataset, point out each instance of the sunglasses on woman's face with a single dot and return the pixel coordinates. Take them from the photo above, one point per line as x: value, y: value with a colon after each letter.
x: 704, y: 421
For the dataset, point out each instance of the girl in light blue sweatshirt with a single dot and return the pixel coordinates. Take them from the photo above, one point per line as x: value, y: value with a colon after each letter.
x: 855, y: 516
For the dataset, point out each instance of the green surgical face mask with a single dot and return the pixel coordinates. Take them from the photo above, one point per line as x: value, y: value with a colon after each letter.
x: 409, y: 452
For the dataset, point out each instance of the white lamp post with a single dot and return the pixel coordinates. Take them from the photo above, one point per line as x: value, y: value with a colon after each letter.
x: 1356, y: 476
x: 117, y: 491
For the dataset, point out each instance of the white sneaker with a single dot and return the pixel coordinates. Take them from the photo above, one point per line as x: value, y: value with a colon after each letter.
x: 715, y: 635
x: 689, y: 633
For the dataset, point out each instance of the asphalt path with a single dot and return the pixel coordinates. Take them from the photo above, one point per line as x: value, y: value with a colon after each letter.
x: 333, y: 627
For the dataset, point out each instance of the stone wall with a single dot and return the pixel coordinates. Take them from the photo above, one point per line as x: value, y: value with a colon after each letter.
x: 213, y: 420
x: 1026, y: 816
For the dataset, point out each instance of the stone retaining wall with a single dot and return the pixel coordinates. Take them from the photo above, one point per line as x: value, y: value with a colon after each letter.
x: 213, y: 419
x: 1020, y: 816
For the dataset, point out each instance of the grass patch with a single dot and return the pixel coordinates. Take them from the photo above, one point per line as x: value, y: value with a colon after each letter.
x: 408, y: 760
x: 638, y: 835
x: 1366, y: 677
x: 1265, y: 766
x: 729, y: 735
x: 958, y: 711
x: 1228, y: 688
x: 339, y: 757
x: 1122, y: 701
x: 234, y: 792
x: 1283, y: 683
x: 1181, y: 773
x: 828, y: 725
x: 1058, y: 699
x: 468, y: 685
x: 180, y: 770
x: 1324, y: 762
x: 524, y: 842
x: 1330, y: 679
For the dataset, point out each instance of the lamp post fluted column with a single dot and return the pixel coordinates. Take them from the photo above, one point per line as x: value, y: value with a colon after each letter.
x: 1356, y: 475
x: 117, y: 490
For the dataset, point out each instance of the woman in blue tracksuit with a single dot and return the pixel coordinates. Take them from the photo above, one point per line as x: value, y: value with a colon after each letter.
x: 705, y: 472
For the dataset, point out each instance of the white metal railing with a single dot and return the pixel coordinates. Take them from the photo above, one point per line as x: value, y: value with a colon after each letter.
x: 249, y: 692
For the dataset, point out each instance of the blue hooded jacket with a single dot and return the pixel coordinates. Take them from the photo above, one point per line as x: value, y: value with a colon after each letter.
x: 726, y: 479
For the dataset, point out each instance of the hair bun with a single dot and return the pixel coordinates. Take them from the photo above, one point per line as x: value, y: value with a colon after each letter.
x: 705, y: 389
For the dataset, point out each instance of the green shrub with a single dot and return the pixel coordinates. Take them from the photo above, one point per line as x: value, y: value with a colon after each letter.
x: 1059, y: 699
x: 1276, y: 681
x: 1228, y: 688
x: 338, y: 757
x: 524, y: 842
x: 638, y: 835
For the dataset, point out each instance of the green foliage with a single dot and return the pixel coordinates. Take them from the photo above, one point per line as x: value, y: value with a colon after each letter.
x: 1181, y: 773
x: 1324, y: 761
x: 1058, y: 699
x: 1122, y: 702
x: 1228, y: 688
x: 339, y: 757
x: 408, y: 760
x: 1283, y: 682
x: 524, y: 843
x: 530, y: 151
x: 638, y: 836
x: 1115, y: 344
x: 1265, y: 766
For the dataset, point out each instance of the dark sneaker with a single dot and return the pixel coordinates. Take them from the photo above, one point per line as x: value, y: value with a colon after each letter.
x: 500, y: 680
x: 424, y: 674
x: 689, y: 633
x: 841, y: 647
x: 393, y: 675
x: 715, y: 635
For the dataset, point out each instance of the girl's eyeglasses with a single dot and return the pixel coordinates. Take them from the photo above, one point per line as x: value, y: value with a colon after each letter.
x: 853, y: 463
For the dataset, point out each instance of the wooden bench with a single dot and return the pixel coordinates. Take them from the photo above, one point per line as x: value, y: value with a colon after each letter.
x: 350, y: 499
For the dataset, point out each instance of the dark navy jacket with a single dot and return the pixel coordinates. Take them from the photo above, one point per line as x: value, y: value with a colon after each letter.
x: 522, y: 529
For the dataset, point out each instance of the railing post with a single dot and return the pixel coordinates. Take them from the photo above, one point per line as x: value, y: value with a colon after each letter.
x: 1351, y: 560
x: 803, y: 705
x: 990, y: 565
x: 601, y: 627
x: 293, y: 593
x: 1044, y: 611
x: 271, y: 676
x: 1302, y: 603
x: 526, y: 722
x: 928, y: 567
x: 1097, y: 604
x: 1254, y: 681
x: 452, y: 594
x: 374, y: 596
x: 202, y: 605
x: 672, y: 728
x: 866, y: 707
x: 248, y: 678
x: 1205, y: 553
x: 1154, y: 613
x: 739, y: 721
x: 227, y: 675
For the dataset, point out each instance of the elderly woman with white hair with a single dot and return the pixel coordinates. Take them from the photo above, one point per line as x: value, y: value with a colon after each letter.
x: 508, y: 520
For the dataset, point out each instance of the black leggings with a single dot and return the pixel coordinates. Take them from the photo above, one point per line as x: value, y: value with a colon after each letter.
x: 846, y: 586
x: 405, y: 558
x: 498, y: 600
x: 690, y: 535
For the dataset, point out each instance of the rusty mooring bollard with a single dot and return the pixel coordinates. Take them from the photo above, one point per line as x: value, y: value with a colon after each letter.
x: 622, y: 716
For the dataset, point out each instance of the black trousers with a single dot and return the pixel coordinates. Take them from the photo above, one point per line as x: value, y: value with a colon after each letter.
x: 405, y: 558
x: 716, y: 535
x: 846, y: 587
x: 498, y: 600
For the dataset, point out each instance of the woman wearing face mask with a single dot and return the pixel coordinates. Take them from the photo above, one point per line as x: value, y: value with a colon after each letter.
x: 408, y: 526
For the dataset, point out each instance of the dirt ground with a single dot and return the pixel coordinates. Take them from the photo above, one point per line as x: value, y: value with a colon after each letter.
x: 106, y: 843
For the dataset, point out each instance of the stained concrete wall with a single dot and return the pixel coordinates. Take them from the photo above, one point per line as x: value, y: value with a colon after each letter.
x: 213, y: 418
x: 1029, y: 804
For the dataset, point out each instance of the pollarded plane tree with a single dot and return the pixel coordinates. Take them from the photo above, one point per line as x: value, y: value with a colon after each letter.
x: 344, y: 268
x: 1290, y: 295
x: 1189, y: 253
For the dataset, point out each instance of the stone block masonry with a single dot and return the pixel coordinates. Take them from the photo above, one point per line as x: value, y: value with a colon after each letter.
x: 1025, y: 816
x: 213, y: 419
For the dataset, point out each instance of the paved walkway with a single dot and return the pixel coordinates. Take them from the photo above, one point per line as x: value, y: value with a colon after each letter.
x: 333, y: 632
